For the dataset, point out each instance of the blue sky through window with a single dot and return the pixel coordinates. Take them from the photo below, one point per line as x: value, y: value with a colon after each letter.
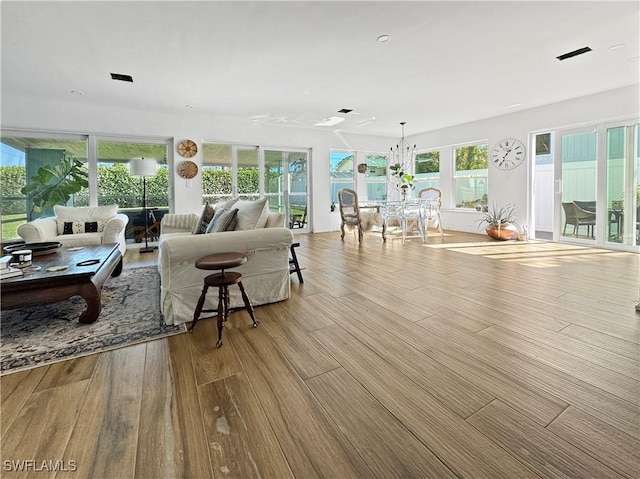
x: 9, y: 156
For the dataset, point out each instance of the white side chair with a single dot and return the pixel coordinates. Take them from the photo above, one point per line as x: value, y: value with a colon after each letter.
x: 431, y: 199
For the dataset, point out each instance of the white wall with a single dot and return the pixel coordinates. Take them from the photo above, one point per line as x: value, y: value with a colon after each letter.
x: 514, y: 186
x: 504, y: 187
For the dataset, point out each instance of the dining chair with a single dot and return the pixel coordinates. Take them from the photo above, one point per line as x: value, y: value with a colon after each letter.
x: 405, y: 213
x: 576, y: 217
x: 349, y: 211
x: 430, y: 208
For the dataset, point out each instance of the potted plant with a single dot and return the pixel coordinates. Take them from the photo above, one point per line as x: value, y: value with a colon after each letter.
x: 54, y: 185
x: 402, y: 179
x: 501, y: 222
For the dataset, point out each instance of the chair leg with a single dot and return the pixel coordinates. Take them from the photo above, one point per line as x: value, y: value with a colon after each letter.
x: 199, y: 306
x: 222, y: 312
x: 342, y: 229
x: 247, y: 304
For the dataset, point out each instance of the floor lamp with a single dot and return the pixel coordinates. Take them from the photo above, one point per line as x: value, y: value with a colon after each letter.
x: 144, y: 168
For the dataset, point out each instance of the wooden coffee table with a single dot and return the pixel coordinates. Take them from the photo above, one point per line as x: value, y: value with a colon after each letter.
x: 45, y: 287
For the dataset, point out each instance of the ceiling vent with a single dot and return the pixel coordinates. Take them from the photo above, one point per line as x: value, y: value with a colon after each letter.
x: 345, y: 110
x: 574, y: 53
x: 121, y: 77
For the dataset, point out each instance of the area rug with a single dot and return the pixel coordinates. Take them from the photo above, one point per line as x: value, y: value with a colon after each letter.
x: 41, y: 335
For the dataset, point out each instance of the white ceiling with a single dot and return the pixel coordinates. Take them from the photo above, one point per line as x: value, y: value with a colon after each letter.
x: 297, y: 63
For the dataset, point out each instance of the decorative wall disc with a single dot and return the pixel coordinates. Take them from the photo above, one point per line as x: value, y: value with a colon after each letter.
x: 187, y: 148
x: 187, y: 169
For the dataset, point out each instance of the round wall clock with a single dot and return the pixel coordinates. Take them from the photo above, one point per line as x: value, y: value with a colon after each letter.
x: 187, y: 148
x: 508, y: 154
x: 187, y: 169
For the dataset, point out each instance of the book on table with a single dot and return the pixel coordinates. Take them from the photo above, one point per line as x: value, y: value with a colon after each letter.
x: 10, y: 272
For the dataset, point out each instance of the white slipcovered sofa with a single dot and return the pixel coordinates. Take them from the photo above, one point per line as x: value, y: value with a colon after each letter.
x: 265, y: 274
x: 74, y: 227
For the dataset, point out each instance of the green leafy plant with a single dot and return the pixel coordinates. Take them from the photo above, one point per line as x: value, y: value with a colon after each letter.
x: 401, y: 177
x: 498, y: 217
x: 54, y: 184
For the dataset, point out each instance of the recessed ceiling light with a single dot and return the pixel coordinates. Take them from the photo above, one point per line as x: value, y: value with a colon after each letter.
x: 514, y: 105
x: 633, y: 59
x: 77, y: 92
x: 189, y: 107
x: 383, y: 38
x: 616, y: 47
x: 345, y: 110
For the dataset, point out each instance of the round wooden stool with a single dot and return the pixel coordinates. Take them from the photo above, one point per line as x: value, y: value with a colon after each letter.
x: 222, y: 281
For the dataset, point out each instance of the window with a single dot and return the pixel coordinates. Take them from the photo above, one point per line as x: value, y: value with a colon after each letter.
x: 471, y: 175
x: 341, y: 170
x: 22, y: 155
x: 376, y: 177
x: 217, y: 176
x: 427, y: 170
x: 117, y: 186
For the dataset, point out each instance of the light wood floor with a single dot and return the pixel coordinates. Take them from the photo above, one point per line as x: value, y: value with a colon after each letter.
x: 462, y: 358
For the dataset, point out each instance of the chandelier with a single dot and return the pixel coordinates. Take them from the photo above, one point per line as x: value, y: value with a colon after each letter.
x: 403, y: 153
x: 400, y: 164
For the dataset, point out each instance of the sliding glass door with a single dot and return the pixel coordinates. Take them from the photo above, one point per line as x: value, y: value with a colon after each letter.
x: 597, y: 186
x: 251, y: 172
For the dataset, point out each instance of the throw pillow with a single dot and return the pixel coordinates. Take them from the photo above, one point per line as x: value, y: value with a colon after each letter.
x: 252, y: 214
x: 83, y: 214
x: 78, y: 227
x: 205, y: 218
x: 221, y: 221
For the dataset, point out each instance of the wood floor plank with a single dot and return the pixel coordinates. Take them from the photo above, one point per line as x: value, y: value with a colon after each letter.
x: 66, y: 372
x: 609, y: 445
x: 600, y: 403
x: 211, y: 363
x: 389, y: 449
x: 531, y: 401
x: 187, y: 420
x: 461, y: 448
x: 112, y: 407
x: 307, y: 435
x: 298, y: 310
x: 546, y: 453
x: 41, y: 430
x: 303, y: 352
x: 242, y: 443
x: 599, y: 372
x: 456, y: 393
x: 156, y: 452
x: 596, y: 338
x: 15, y: 390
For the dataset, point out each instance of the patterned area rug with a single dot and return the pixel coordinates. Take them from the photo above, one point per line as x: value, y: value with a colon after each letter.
x: 42, y: 335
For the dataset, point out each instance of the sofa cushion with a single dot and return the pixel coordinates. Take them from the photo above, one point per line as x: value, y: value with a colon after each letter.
x: 99, y: 214
x: 78, y: 227
x: 205, y: 218
x: 222, y: 221
x: 252, y: 214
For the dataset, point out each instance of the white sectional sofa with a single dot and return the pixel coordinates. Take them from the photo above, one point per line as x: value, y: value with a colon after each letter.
x: 265, y: 274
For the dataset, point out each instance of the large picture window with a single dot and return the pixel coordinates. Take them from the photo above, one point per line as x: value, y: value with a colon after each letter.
x: 427, y: 170
x: 377, y: 181
x: 341, y: 170
x: 471, y: 175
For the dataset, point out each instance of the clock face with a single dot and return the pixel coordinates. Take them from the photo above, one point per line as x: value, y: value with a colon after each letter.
x: 508, y: 154
x: 187, y: 148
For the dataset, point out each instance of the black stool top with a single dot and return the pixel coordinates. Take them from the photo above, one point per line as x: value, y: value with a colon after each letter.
x: 221, y: 261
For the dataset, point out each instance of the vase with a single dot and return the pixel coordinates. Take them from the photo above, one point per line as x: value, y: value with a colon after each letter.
x: 506, y: 231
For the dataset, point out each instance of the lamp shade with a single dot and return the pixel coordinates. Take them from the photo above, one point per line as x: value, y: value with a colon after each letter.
x: 142, y: 167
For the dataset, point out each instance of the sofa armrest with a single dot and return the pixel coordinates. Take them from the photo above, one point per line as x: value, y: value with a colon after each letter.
x: 178, y: 222
x: 114, y: 227
x: 39, y: 230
